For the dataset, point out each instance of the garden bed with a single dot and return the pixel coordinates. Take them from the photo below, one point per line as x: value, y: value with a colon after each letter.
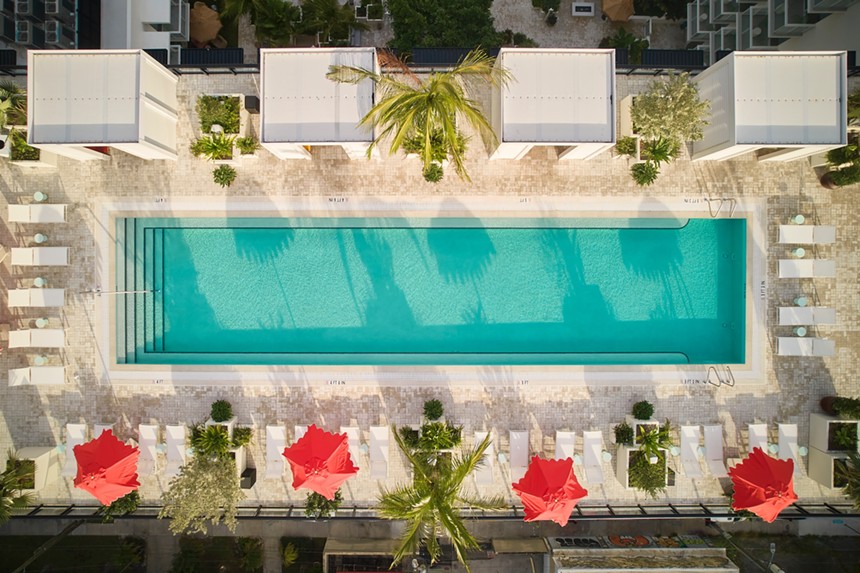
x: 310, y: 554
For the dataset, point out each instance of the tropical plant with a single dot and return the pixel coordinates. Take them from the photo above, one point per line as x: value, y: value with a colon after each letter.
x: 210, y: 441
x: 410, y: 436
x: 653, y: 440
x: 436, y: 436
x: 232, y: 9
x: 846, y: 175
x: 332, y: 20
x: 242, y: 436
x: 442, y: 24
x: 221, y: 411
x: 433, y: 409
x: 645, y: 475
x: 849, y: 474
x: 430, y: 504
x: 626, y: 41
x: 247, y: 145
x: 408, y: 106
x: 671, y: 109
x: 318, y: 506
x: 846, y: 155
x: 249, y: 550
x: 848, y: 408
x: 290, y: 554
x: 511, y: 38
x: 218, y: 110
x: 660, y: 150
x: 12, y: 481
x: 854, y: 109
x: 643, y: 410
x: 20, y: 150
x: 646, y: 173
x: 224, y: 175
x: 122, y: 506
x: 845, y: 436
x: 276, y: 22
x: 206, y: 490
x: 623, y: 434
x: 214, y: 146
x: 13, y: 104
x: 626, y: 146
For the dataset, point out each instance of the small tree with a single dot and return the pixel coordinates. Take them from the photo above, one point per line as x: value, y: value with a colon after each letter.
x: 206, y: 490
x: 670, y: 109
x: 643, y: 410
x: 11, y: 483
x: 319, y: 507
x: 122, y: 506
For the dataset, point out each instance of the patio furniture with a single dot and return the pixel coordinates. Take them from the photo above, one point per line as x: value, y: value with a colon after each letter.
x: 353, y: 435
x: 37, y: 213
x: 795, y: 346
x: 37, y: 297
x: 484, y: 472
x: 565, y: 443
x: 807, y: 235
x: 276, y: 443
x: 714, y: 450
x: 148, y: 444
x: 519, y: 453
x: 379, y: 446
x: 806, y: 268
x: 757, y: 437
x: 592, y: 445
x: 690, y: 436
x: 76, y: 435
x: 40, y: 256
x: 39, y: 338
x: 794, y: 315
x: 177, y: 453
x: 788, y: 445
x: 38, y: 376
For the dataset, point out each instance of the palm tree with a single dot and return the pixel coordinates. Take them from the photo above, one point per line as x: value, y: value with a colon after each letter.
x: 235, y: 8
x: 275, y: 22
x: 428, y: 108
x: 13, y: 103
x: 430, y: 504
x: 331, y: 20
x: 11, y: 483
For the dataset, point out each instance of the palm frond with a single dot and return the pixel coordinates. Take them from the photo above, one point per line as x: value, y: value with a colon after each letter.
x: 351, y: 74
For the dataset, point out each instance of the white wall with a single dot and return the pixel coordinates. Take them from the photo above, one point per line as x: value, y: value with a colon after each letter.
x: 839, y: 31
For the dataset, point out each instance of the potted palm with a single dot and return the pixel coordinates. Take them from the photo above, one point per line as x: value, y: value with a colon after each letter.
x: 216, y: 147
x: 38, y: 464
x: 641, y: 419
x: 221, y: 414
x: 646, y: 468
x: 829, y: 433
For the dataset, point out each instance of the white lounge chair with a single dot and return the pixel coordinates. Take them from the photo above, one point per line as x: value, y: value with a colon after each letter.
x: 353, y: 435
x: 806, y: 268
x: 757, y: 437
x: 714, y: 450
x: 38, y: 375
x: 592, y: 456
x: 796, y: 315
x: 484, y: 473
x: 176, y: 449
x: 37, y: 213
x: 99, y: 429
x: 148, y: 445
x: 37, y: 338
x: 37, y: 297
x: 40, y: 256
x: 798, y: 346
x: 807, y: 234
x: 276, y: 443
x: 379, y: 445
x: 788, y: 449
x: 565, y: 444
x: 298, y: 432
x: 690, y: 436
x: 76, y: 435
x: 519, y: 454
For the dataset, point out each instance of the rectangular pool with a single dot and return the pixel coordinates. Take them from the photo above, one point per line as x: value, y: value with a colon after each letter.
x: 439, y: 291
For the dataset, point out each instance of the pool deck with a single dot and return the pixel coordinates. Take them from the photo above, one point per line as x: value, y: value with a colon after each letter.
x: 787, y: 390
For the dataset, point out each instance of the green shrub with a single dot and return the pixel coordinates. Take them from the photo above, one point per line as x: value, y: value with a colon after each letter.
x: 645, y: 174
x: 511, y: 38
x: 250, y: 553
x: 411, y: 437
x: 320, y: 507
x: 670, y: 108
x: 242, y: 436
x: 623, y: 434
x: 652, y: 440
x: 221, y: 411
x: 224, y: 175
x: 643, y: 410
x: 433, y: 409
x: 847, y: 175
x: 660, y: 150
x: 848, y: 408
x: 551, y: 18
x: 218, y: 110
x: 627, y: 41
x: 433, y: 173
x: 210, y: 441
x: 842, y: 155
x: 247, y: 145
x: 20, y: 150
x: 214, y: 146
x: 437, y: 436
x: 290, y: 555
x: 122, y: 506
x: 846, y: 436
x: 645, y: 476
x: 24, y: 472
x: 626, y: 146
x: 849, y: 475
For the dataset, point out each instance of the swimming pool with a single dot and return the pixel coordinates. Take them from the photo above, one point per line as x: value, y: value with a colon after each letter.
x: 430, y: 291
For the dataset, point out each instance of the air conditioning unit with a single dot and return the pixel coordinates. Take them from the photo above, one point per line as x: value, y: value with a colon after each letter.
x: 582, y: 9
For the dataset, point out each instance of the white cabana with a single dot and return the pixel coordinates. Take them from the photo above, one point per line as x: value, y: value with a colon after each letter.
x: 792, y: 104
x: 82, y: 99
x: 560, y: 97
x: 300, y: 107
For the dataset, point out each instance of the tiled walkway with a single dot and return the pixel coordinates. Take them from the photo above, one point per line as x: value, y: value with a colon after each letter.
x: 35, y: 416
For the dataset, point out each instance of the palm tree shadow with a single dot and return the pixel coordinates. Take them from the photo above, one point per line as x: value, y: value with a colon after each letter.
x: 462, y: 253
x: 250, y: 245
x: 388, y: 307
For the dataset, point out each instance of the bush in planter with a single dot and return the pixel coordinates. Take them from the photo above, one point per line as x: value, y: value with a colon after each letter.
x: 645, y: 174
x: 319, y: 507
x: 210, y: 441
x: 247, y: 145
x: 221, y: 411
x: 218, y: 110
x: 410, y: 437
x: 844, y: 436
x: 670, y: 109
x: 433, y: 409
x: 645, y: 476
x: 623, y: 434
x: 249, y: 550
x: 626, y: 146
x: 24, y: 470
x: 433, y: 173
x: 437, y: 436
x: 848, y: 408
x: 242, y: 436
x: 643, y: 410
x: 122, y: 506
x: 224, y: 175
x: 845, y: 176
x: 660, y: 150
x: 215, y: 146
x: 10, y: 489
x: 849, y: 477
x: 20, y: 150
x: 651, y: 441
x: 627, y: 41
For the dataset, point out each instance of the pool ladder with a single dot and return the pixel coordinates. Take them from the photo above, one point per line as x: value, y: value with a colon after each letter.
x: 733, y: 203
x: 715, y: 379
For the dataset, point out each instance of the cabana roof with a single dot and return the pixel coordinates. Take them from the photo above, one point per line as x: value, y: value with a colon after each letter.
x: 300, y: 105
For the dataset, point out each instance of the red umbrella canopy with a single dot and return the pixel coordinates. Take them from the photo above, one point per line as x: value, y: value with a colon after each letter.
x: 763, y: 485
x: 549, y: 490
x: 107, y: 468
x: 320, y: 461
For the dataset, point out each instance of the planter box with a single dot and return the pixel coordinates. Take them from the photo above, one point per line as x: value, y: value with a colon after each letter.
x: 822, y: 428
x: 622, y: 464
x: 822, y: 466
x: 635, y: 424
x: 241, y: 459
x: 243, y: 113
x: 46, y: 160
x: 47, y: 466
x: 229, y: 424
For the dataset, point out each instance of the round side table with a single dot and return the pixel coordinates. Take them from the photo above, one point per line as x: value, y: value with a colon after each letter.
x: 39, y: 238
x: 800, y: 331
x: 40, y: 360
x: 39, y: 282
x: 39, y: 197
x: 801, y: 301
x: 798, y: 219
x: 799, y: 252
x: 41, y: 322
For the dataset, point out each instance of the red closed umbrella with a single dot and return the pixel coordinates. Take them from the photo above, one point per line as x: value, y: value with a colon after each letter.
x: 549, y: 490
x: 763, y: 485
x: 107, y: 468
x: 320, y: 461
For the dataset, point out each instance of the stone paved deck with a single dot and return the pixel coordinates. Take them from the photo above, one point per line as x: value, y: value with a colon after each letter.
x: 36, y: 416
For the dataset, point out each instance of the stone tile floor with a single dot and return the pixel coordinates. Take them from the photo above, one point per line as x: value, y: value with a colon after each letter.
x: 34, y: 416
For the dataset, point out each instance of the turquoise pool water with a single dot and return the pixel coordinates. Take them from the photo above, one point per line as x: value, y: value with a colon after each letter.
x: 434, y: 291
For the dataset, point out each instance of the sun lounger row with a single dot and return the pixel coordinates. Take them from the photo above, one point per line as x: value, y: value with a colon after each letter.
x: 806, y: 268
x: 799, y: 346
x: 786, y: 446
x: 806, y: 315
x: 40, y: 256
x: 37, y: 213
x: 38, y: 375
x: 807, y: 234
x: 37, y: 297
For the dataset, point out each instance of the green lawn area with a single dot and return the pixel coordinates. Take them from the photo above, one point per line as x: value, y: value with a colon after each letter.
x: 310, y: 554
x: 75, y: 553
